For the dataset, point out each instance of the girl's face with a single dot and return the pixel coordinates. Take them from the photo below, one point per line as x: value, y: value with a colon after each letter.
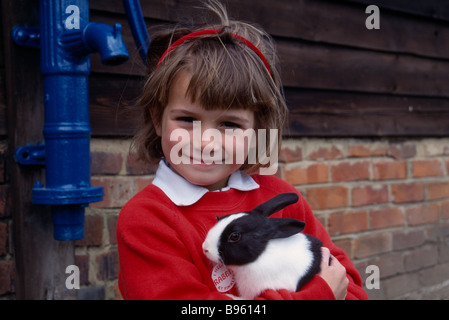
x: 191, y: 121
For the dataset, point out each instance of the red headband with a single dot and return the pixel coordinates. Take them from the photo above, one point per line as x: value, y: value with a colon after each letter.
x: 206, y: 32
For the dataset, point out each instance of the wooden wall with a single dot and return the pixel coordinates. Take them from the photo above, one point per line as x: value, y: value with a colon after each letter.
x: 3, y: 129
x: 340, y: 78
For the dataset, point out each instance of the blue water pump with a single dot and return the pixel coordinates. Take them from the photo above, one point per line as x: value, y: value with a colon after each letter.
x: 66, y: 39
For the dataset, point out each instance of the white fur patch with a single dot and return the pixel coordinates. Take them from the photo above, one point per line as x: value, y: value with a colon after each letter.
x: 280, y: 266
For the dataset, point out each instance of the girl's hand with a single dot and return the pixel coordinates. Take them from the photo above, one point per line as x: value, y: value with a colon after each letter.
x: 333, y: 272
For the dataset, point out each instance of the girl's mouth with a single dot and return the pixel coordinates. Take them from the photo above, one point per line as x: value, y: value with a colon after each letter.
x: 201, y: 162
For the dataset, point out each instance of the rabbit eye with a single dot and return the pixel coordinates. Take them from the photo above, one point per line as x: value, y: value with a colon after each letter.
x: 234, y: 237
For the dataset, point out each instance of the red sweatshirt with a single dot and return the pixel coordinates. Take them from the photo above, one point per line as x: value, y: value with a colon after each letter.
x: 160, y: 245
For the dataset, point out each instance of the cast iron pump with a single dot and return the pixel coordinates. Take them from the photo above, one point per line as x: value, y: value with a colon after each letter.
x: 66, y: 38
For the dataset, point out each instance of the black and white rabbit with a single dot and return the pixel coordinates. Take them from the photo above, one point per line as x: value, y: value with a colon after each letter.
x: 264, y: 253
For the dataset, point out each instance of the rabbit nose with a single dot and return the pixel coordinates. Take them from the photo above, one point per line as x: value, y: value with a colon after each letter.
x: 205, y: 248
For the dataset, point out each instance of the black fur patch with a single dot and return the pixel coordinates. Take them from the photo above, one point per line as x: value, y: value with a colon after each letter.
x: 315, y: 247
x: 253, y: 241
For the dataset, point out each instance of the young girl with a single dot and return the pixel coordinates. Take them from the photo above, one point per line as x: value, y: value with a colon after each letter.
x: 221, y: 79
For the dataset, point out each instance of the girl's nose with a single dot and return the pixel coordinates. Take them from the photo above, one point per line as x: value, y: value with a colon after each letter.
x: 206, y: 137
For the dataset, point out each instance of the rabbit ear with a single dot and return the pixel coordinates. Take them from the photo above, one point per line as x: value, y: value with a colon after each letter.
x: 275, y: 204
x: 284, y: 227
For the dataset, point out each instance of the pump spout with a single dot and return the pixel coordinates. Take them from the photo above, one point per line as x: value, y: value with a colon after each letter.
x: 107, y: 40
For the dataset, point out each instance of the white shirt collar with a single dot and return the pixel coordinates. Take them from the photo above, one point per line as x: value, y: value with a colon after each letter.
x: 184, y: 193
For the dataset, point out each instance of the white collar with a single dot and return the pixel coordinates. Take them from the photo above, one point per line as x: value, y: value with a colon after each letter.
x: 184, y: 193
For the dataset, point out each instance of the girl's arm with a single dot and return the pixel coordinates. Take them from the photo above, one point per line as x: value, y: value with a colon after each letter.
x: 154, y: 263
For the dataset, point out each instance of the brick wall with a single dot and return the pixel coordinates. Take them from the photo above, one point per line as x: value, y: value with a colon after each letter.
x: 96, y: 254
x: 385, y: 202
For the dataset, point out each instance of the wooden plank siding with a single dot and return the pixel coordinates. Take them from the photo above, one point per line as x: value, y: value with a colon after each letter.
x: 3, y: 110
x: 340, y: 79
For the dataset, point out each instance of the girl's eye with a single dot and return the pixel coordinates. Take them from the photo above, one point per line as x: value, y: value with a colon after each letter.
x: 234, y: 237
x: 185, y: 119
x: 231, y: 124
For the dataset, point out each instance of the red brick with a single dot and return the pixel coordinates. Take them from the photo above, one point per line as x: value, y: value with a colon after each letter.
x: 408, y: 192
x: 327, y: 197
x: 82, y: 262
x: 402, y: 151
x: 401, y: 284
x: 421, y: 258
x: 361, y: 150
x: 370, y: 194
x: 289, y: 155
x: 108, y: 265
x: 350, y: 171
x: 346, y: 245
x: 106, y: 163
x: 372, y: 244
x: 117, y: 191
x: 434, y: 276
x: 314, y: 173
x: 438, y: 190
x: 93, y: 232
x: 141, y: 183
x: 389, y: 264
x: 112, y: 226
x: 427, y: 168
x: 138, y: 167
x: 408, y: 239
x: 326, y: 153
x: 439, y: 232
x: 423, y: 214
x: 347, y: 222
x: 389, y: 170
x: 386, y: 218
x: 445, y: 210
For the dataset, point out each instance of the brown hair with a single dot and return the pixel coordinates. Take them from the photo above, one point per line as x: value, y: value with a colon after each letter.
x: 226, y: 73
